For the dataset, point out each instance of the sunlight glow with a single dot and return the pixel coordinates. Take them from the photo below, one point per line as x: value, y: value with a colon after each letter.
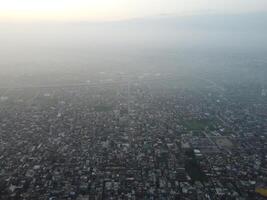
x: 115, y: 9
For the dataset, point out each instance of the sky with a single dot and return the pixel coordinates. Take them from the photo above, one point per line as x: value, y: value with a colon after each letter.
x: 109, y: 10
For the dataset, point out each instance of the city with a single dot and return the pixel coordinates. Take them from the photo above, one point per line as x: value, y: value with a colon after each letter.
x: 138, y: 138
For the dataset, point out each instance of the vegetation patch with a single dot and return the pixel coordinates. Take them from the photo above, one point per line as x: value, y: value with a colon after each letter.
x: 196, y: 124
x: 103, y: 108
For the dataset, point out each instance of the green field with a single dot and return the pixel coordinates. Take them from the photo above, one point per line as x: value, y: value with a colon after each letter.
x: 198, y: 125
x: 103, y: 108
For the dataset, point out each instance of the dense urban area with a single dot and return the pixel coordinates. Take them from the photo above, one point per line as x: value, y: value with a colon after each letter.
x: 149, y: 136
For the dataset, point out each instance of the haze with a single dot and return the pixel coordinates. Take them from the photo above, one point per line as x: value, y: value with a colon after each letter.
x: 87, y: 37
x: 32, y: 10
